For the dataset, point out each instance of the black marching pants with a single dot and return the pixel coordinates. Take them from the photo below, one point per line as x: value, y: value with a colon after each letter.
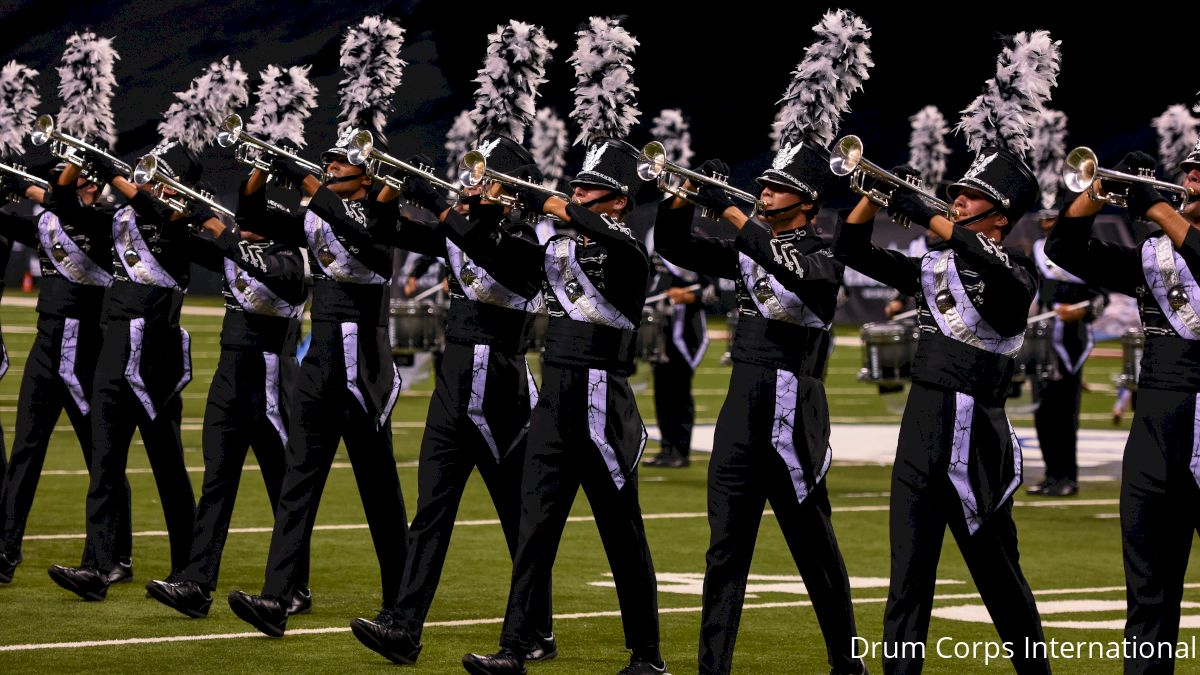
x: 236, y: 419
x: 44, y: 394
x: 1160, y: 512
x: 1057, y: 423
x: 323, y: 413
x: 923, y: 503
x: 116, y: 413
x: 673, y: 403
x: 451, y: 448
x: 561, y: 457
x: 744, y: 474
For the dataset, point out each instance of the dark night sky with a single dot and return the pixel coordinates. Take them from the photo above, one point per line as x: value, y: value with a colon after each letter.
x: 725, y: 68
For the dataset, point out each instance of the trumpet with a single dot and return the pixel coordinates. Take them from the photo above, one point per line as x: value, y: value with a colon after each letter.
x: 29, y: 178
x: 1082, y: 168
x: 475, y: 172
x: 363, y: 153
x: 147, y: 171
x: 654, y: 165
x: 232, y: 133
x: 65, y: 145
x: 846, y: 158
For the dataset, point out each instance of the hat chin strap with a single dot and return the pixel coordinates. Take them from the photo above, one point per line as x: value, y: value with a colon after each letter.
x: 771, y: 213
x: 978, y: 217
x: 602, y: 199
x: 331, y: 180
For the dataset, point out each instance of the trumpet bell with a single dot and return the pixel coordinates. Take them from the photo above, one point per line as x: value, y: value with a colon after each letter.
x: 652, y: 162
x: 43, y: 129
x: 361, y: 145
x: 474, y: 168
x: 1079, y: 169
x: 846, y: 155
x: 146, y: 170
x: 231, y: 131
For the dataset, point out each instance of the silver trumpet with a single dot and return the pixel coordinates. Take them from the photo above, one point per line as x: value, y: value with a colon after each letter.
x: 147, y: 171
x: 475, y: 172
x: 19, y: 172
x: 846, y: 159
x: 362, y: 152
x: 65, y: 146
x: 654, y: 165
x: 1082, y: 168
x: 233, y: 133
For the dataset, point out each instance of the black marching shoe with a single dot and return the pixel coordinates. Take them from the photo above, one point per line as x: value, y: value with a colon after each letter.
x: 640, y: 666
x: 545, y: 647
x: 185, y: 597
x: 860, y: 669
x: 386, y: 637
x: 265, y: 614
x: 121, y: 573
x: 503, y: 662
x: 301, y: 602
x: 8, y: 567
x: 86, y: 582
x: 1040, y: 488
x: 1064, y: 487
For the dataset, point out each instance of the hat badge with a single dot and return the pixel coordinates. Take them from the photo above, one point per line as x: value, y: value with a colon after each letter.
x: 786, y: 154
x: 592, y: 159
x: 979, y: 165
x: 486, y: 149
x: 343, y: 140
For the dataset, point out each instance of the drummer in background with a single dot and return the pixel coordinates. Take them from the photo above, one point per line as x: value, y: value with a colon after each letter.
x: 1059, y: 394
x: 917, y: 248
x: 686, y: 342
x: 1161, y: 468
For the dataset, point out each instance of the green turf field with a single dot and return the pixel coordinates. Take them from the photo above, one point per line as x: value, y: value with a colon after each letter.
x: 1070, y: 551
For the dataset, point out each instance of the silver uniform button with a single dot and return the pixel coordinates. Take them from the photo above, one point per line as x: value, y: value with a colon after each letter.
x: 468, y: 275
x: 240, y: 282
x: 1177, y: 297
x: 58, y: 252
x: 762, y: 290
x: 944, y: 301
x: 574, y: 290
x: 132, y: 257
x: 325, y: 256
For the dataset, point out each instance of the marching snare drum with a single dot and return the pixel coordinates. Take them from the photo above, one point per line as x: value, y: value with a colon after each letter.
x: 888, y: 352
x: 731, y: 320
x: 652, y: 336
x: 416, y: 326
x: 1037, y: 359
x: 1133, y: 343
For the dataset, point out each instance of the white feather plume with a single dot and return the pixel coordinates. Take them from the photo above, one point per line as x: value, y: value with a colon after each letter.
x: 605, y: 96
x: 196, y: 115
x: 1049, y: 153
x: 671, y: 129
x: 1177, y: 136
x: 1004, y: 114
x: 548, y: 145
x: 18, y: 100
x: 286, y: 99
x: 86, y: 86
x: 459, y: 141
x: 927, y: 149
x: 373, y: 69
x: 513, y: 70
x: 834, y: 67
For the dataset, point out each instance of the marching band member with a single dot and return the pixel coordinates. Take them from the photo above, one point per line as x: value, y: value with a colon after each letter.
x: 73, y: 237
x: 958, y: 462
x: 586, y: 430
x: 772, y: 438
x: 1161, y: 470
x: 347, y: 383
x: 262, y: 274
x: 145, y: 361
x: 479, y: 413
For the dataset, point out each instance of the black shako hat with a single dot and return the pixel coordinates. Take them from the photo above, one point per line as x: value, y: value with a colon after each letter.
x: 801, y: 166
x: 612, y: 164
x: 1192, y: 161
x: 506, y: 156
x: 1004, y: 178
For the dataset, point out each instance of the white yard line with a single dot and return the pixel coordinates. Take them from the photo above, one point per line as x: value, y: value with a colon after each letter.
x: 38, y: 646
x: 686, y: 515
